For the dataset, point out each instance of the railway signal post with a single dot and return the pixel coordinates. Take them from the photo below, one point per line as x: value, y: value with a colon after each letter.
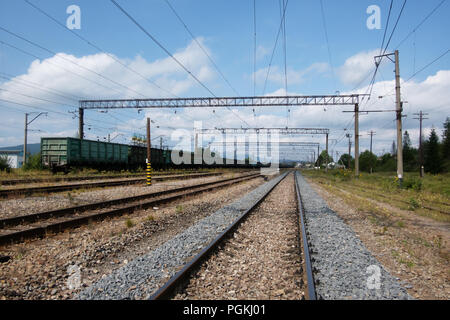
x: 149, y: 166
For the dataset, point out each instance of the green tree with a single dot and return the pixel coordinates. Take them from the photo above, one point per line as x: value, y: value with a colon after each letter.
x: 344, y: 159
x: 33, y: 162
x: 4, y: 163
x: 409, y: 154
x: 386, y: 162
x: 323, y: 157
x: 367, y: 161
x: 393, y: 149
x: 446, y: 145
x: 432, y: 161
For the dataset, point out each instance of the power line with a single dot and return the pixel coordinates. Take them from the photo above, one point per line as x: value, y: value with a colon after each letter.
x: 68, y: 60
x: 254, y: 47
x: 429, y: 64
x: 98, y: 48
x: 34, y: 107
x: 39, y: 86
x: 161, y: 46
x: 169, y: 54
x: 395, y: 26
x: 328, y: 43
x: 420, y: 24
x: 56, y: 65
x: 387, y: 44
x: 387, y: 25
x: 201, y: 47
x: 33, y: 97
x: 275, y: 46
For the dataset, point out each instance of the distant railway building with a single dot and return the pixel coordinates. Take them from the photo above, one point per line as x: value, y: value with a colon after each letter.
x: 15, y: 157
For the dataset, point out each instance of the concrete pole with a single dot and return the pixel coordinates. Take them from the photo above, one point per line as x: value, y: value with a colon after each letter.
x: 81, y: 123
x: 25, y: 140
x: 149, y: 167
x: 356, y: 140
x: 148, y: 141
x: 326, y: 161
x: 399, y: 120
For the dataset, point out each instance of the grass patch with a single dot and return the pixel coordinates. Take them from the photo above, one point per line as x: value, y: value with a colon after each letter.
x: 429, y: 197
x: 129, y: 223
x: 179, y: 209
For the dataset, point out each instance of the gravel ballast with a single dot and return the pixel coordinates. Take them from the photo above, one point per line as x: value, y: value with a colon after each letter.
x: 343, y: 268
x: 261, y: 260
x: 142, y: 276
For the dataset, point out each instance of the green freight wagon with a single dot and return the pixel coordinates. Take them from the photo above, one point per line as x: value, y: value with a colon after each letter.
x: 73, y: 152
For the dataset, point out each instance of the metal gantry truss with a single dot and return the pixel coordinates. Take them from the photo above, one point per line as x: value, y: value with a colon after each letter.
x: 215, y: 102
x: 281, y: 131
x: 284, y: 131
x: 261, y: 101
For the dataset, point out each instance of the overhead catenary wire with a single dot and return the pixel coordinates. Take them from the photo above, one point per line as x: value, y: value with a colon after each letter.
x: 274, y: 47
x: 420, y: 24
x: 202, y: 48
x: 89, y: 42
x: 39, y: 86
x: 56, y: 65
x: 170, y: 55
x: 328, y: 43
x: 69, y: 60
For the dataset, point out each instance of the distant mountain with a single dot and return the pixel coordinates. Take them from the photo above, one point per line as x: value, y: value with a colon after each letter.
x: 32, y: 148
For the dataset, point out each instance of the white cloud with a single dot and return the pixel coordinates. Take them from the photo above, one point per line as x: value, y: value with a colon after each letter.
x: 277, y: 76
x: 74, y: 81
x: 357, y: 67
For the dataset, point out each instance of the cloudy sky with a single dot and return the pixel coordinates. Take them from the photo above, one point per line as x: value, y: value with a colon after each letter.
x: 45, y: 67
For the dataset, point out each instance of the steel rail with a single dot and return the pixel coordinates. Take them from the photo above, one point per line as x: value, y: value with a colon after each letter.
x: 33, y: 217
x: 11, y: 182
x: 67, y: 187
x: 166, y: 291
x: 307, y: 259
x: 43, y: 229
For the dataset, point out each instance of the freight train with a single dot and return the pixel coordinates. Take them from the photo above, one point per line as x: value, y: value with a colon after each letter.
x: 62, y: 154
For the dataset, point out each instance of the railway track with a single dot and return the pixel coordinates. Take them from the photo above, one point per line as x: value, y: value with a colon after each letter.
x: 169, y: 289
x: 311, y: 294
x: 27, y: 191
x: 18, y: 229
x: 50, y: 179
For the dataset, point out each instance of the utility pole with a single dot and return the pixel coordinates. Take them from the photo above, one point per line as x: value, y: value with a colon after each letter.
x: 149, y: 167
x: 25, y: 140
x: 420, y: 118
x: 356, y: 140
x: 371, y: 134
x: 398, y: 107
x: 318, y: 154
x: 326, y: 160
x: 26, y: 134
x: 81, y: 123
x: 348, y: 135
x: 398, y: 110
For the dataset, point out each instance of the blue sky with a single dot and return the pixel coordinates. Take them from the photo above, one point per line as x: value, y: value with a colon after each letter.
x: 225, y: 29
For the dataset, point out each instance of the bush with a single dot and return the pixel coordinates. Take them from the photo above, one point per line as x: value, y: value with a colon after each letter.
x: 4, y: 163
x: 413, y: 183
x: 33, y: 162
